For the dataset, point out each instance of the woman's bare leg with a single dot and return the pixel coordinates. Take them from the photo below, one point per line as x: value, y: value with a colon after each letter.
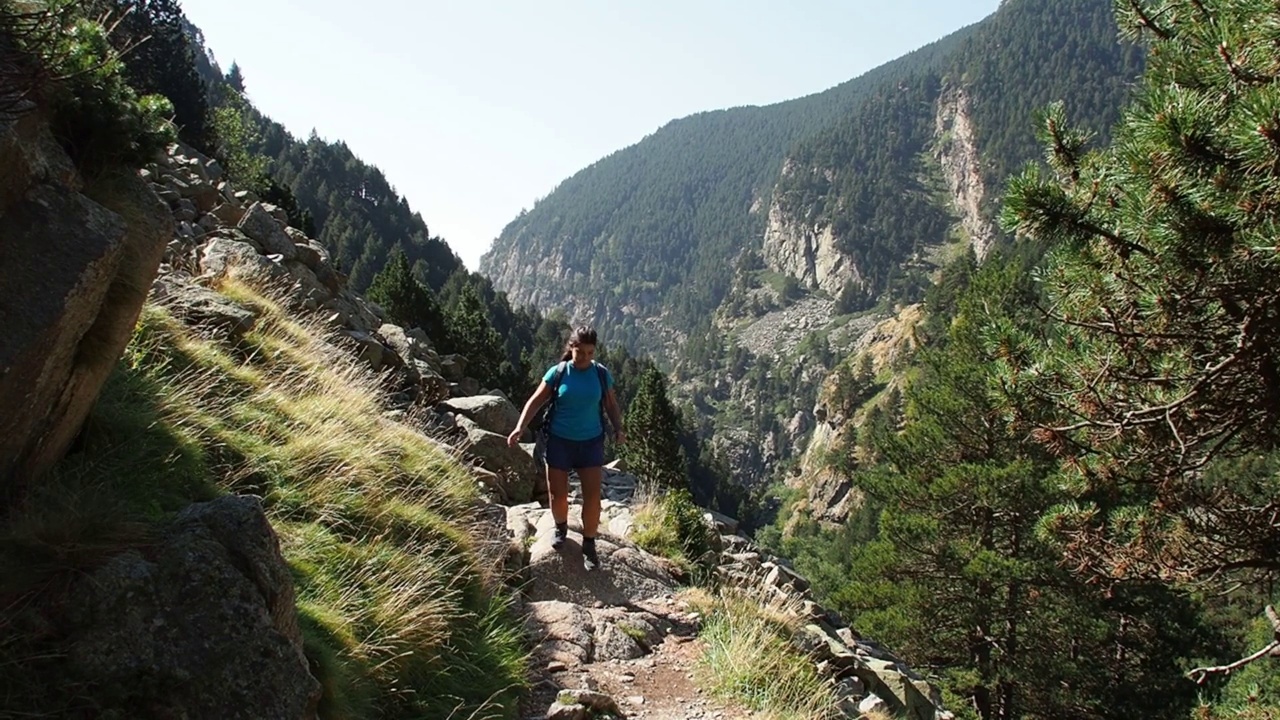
x: 591, y: 478
x: 558, y: 486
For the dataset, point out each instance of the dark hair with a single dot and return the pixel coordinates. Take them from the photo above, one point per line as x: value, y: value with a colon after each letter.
x: 582, y: 335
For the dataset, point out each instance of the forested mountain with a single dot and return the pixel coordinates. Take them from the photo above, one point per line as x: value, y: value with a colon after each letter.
x: 748, y: 250
x: 649, y: 230
x: 651, y: 227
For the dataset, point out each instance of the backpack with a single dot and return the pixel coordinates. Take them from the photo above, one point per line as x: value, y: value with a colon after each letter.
x: 547, y: 412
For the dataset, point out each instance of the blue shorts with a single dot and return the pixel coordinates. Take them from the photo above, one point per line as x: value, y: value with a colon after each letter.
x: 573, y: 454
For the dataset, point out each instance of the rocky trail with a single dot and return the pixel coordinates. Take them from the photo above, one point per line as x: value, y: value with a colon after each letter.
x: 624, y: 640
x: 646, y: 671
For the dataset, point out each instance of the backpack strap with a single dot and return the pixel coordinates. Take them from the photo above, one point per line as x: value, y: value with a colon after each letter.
x: 604, y: 388
x: 556, y: 379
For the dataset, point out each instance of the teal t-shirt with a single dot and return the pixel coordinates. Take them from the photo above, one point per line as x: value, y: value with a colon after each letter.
x: 577, y: 411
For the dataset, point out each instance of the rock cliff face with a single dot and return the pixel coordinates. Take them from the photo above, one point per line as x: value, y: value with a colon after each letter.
x: 808, y: 252
x: 958, y: 156
x: 77, y: 263
x: 542, y: 281
x: 830, y: 497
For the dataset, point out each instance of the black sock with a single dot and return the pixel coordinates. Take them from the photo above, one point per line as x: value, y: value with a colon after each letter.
x: 589, y: 555
x: 562, y: 529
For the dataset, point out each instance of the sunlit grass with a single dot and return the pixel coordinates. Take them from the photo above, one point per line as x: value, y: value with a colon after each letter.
x: 749, y: 658
x: 399, y: 603
x: 671, y: 525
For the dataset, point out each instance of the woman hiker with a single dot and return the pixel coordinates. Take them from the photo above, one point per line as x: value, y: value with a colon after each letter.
x: 581, y: 391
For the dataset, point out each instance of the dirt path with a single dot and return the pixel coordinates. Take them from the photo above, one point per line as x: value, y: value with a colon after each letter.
x: 658, y: 686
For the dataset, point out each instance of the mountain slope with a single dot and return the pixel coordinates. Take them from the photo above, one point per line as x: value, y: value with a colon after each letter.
x: 630, y: 230
x: 648, y: 231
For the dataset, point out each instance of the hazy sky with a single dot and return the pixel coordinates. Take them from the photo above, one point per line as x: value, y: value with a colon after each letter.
x: 474, y: 110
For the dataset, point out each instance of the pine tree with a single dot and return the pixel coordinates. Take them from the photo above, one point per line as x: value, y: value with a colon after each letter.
x: 473, y: 336
x: 1162, y: 359
x: 159, y: 58
x: 235, y: 79
x: 1164, y: 355
x: 958, y: 575
x: 406, y: 301
x: 652, y: 450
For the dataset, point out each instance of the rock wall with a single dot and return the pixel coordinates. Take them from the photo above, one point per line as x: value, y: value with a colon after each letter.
x: 806, y: 251
x: 958, y: 156
x: 829, y: 494
x: 76, y: 262
x: 544, y: 281
x: 199, y: 624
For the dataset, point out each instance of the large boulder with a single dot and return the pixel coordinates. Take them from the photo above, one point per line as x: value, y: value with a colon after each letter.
x: 627, y: 573
x: 491, y: 412
x: 268, y: 232
x: 200, y: 625
x: 74, y: 272
x: 574, y: 635
x: 223, y: 257
x: 199, y: 306
x: 520, y: 474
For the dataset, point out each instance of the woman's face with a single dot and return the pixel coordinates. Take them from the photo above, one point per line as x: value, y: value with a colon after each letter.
x: 583, y: 354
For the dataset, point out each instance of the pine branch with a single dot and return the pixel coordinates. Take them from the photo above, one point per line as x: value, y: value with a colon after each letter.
x: 1147, y: 21
x: 1199, y: 675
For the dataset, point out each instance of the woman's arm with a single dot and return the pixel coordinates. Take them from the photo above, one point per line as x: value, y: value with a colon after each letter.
x: 536, y: 400
x: 615, y: 415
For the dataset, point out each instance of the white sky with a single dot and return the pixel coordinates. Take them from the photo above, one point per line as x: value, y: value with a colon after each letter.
x: 474, y: 110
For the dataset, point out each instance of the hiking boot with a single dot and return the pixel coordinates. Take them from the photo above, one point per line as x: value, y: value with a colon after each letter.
x: 590, y: 559
x: 562, y: 532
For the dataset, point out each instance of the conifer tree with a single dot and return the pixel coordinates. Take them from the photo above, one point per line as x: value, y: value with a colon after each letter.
x: 159, y: 58
x: 958, y: 574
x: 473, y: 336
x: 406, y: 301
x: 652, y: 450
x: 235, y: 78
x: 1164, y: 351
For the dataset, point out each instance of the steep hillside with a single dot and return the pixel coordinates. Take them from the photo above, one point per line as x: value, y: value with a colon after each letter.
x: 838, y: 187
x: 649, y: 228
x: 750, y: 248
x: 861, y: 203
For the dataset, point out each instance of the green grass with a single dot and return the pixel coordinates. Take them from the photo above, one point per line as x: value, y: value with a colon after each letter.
x: 401, y: 607
x: 749, y: 658
x: 671, y: 525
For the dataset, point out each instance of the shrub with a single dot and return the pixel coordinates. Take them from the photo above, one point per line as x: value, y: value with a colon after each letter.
x: 672, y: 526
x: 95, y: 115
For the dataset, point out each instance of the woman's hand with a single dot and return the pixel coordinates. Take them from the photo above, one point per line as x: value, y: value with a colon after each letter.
x: 620, y: 437
x: 514, y: 438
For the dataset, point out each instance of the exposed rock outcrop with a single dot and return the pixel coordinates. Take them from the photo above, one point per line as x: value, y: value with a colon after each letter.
x: 199, y: 624
x: 618, y: 616
x: 530, y: 277
x: 829, y: 494
x: 808, y: 252
x: 77, y: 262
x: 958, y: 156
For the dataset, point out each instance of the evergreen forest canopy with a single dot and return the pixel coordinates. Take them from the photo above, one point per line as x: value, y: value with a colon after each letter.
x: 1071, y: 508
x: 654, y: 224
